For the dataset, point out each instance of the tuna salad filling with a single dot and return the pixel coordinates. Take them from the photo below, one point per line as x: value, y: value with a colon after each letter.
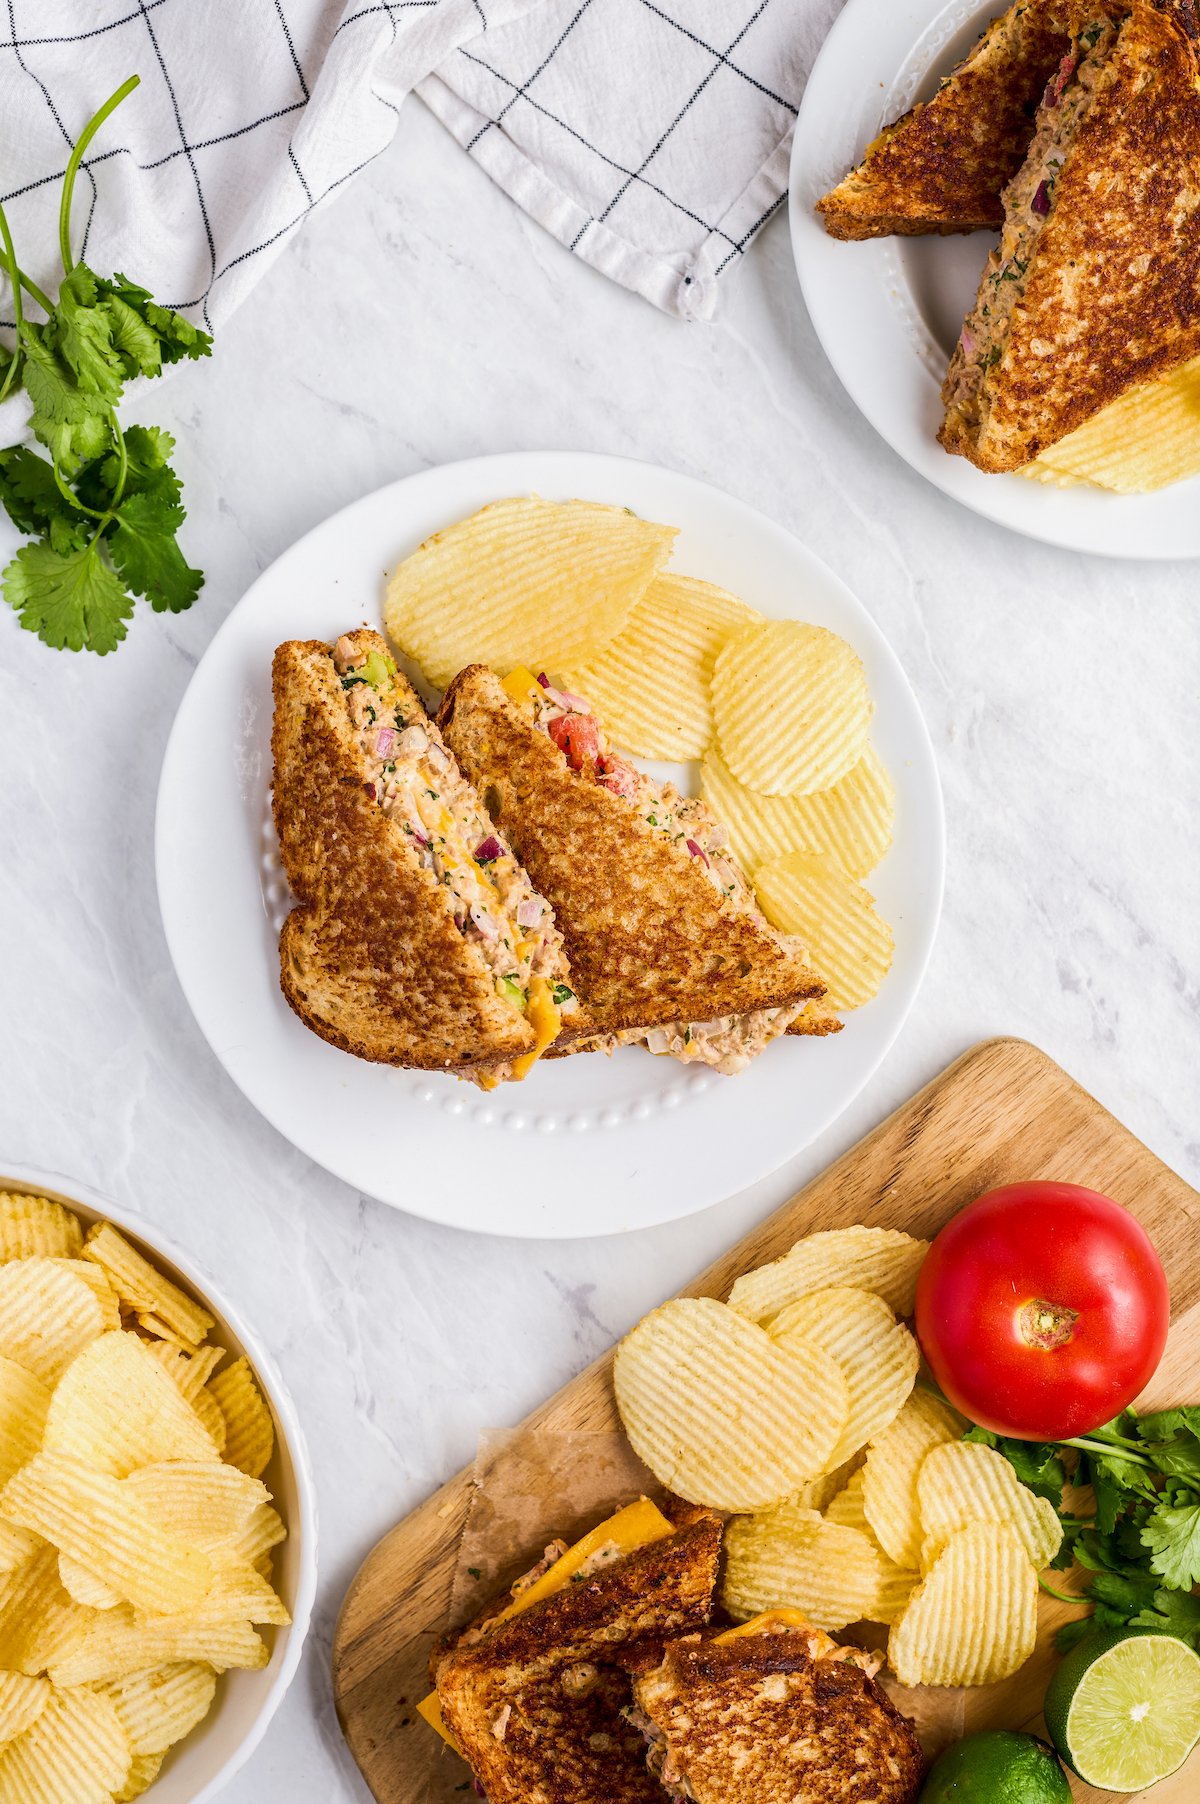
x: 416, y: 782
x: 1028, y: 203
x: 729, y: 1043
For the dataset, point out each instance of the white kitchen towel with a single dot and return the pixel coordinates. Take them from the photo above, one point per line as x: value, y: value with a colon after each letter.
x: 651, y: 138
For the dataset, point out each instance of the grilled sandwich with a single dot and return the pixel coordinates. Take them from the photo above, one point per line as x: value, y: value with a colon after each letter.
x: 534, y: 1693
x: 774, y: 1712
x: 943, y: 166
x: 666, y: 943
x: 1094, y: 286
x: 417, y: 938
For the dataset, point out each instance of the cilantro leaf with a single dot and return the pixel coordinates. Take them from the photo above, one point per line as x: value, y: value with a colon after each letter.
x: 72, y: 425
x: 1175, y: 1613
x: 1173, y: 1536
x: 177, y: 337
x: 82, y: 333
x: 146, y: 552
x: 147, y: 471
x: 71, y: 599
x: 34, y: 502
x: 1167, y: 1423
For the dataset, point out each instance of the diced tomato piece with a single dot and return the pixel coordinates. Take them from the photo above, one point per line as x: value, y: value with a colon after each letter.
x: 577, y: 737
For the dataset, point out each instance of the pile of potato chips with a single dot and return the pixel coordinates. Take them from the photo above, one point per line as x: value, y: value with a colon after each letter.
x: 796, y: 1406
x: 679, y: 669
x: 135, y: 1531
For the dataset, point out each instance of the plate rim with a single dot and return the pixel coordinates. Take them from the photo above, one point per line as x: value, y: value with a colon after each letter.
x: 566, y: 470
x: 1085, y: 520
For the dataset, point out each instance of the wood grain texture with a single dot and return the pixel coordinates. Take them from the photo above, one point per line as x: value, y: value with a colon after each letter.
x: 1002, y: 1112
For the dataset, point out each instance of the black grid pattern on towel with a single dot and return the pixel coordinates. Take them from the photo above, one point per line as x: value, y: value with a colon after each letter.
x: 716, y: 58
x: 139, y: 22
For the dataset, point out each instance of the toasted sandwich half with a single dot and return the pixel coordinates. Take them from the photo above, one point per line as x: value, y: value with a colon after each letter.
x: 665, y: 939
x: 534, y: 1696
x: 943, y: 166
x: 417, y: 939
x: 775, y: 1712
x: 1095, y: 284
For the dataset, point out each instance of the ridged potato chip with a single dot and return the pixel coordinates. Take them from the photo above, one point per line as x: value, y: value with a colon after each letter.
x: 719, y: 1413
x: 818, y: 1493
x: 159, y: 1707
x: 24, y: 1401
x: 791, y: 707
x: 75, y: 1752
x: 650, y: 685
x: 47, y: 1316
x: 896, y: 1583
x: 142, y: 1287
x: 792, y: 1559
x: 22, y: 1701
x: 847, y: 940
x: 97, y: 1282
x: 191, y: 1372
x: 211, y: 1506
x: 144, y: 1770
x: 1147, y: 438
x: 98, y: 1521
x: 35, y: 1225
x: 877, y: 1355
x: 38, y: 1621
x: 523, y: 581
x: 117, y: 1643
x: 83, y: 1587
x: 851, y: 822
x: 117, y: 1409
x: 249, y: 1430
x: 882, y: 1260
x: 890, y: 1474
x: 962, y: 1482
x: 16, y: 1546
x: 973, y: 1618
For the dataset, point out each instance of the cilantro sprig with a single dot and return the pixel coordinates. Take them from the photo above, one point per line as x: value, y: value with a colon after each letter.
x: 104, y: 508
x: 1140, y: 1543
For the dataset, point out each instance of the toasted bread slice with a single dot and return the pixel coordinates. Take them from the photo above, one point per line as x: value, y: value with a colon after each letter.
x: 943, y: 166
x: 381, y: 956
x: 650, y: 938
x: 1095, y: 285
x: 535, y: 1703
x: 755, y: 1719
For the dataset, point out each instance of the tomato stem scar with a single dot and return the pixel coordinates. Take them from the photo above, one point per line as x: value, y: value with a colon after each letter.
x: 1047, y: 1325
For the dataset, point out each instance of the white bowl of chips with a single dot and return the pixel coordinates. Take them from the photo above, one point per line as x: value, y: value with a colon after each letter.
x: 169, y: 1547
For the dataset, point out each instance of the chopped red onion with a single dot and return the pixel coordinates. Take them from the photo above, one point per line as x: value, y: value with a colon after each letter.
x: 488, y: 849
x: 485, y: 923
x: 543, y: 679
x: 696, y: 851
x: 576, y: 703
x: 370, y: 789
x: 1041, y: 200
x: 967, y: 341
x: 530, y: 911
x: 385, y: 739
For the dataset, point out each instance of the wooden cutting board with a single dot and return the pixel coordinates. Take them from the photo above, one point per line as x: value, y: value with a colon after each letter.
x: 1002, y: 1112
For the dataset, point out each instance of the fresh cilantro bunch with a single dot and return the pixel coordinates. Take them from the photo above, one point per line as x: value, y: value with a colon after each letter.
x: 104, y: 508
x: 1141, y: 1543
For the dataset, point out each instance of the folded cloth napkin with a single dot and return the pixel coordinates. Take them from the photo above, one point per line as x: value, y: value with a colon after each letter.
x: 650, y: 136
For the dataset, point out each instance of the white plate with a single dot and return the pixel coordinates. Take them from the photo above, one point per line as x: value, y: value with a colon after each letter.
x: 205, y: 1761
x: 586, y: 1145
x: 888, y: 311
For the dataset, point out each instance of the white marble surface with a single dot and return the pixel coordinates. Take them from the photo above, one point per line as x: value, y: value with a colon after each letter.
x: 422, y: 319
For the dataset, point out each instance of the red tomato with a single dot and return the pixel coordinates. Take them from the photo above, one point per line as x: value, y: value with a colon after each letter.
x: 618, y: 776
x: 577, y: 737
x: 1042, y: 1310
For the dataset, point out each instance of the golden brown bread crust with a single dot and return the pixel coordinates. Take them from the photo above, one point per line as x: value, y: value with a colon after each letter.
x: 756, y: 1720
x: 942, y: 167
x: 817, y: 1019
x: 934, y: 169
x: 648, y: 937
x: 1111, y: 294
x: 370, y: 959
x: 555, y: 1746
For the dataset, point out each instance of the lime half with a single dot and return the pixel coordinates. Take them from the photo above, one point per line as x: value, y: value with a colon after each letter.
x: 1123, y: 1709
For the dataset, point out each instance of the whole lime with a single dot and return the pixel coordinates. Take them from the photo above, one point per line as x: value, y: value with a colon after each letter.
x: 997, y: 1766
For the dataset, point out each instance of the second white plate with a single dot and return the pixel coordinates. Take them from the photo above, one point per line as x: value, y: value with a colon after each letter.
x: 888, y: 311
x: 587, y: 1145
